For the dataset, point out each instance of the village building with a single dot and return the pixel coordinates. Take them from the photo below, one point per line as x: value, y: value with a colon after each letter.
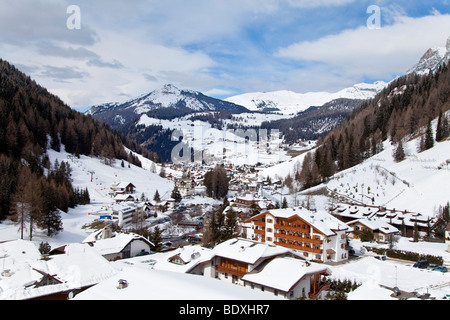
x: 267, y: 267
x: 29, y: 276
x: 186, y: 187
x: 242, y: 262
x: 124, y: 198
x: 291, y: 278
x: 123, y: 188
x: 404, y: 221
x: 316, y: 235
x: 117, y: 245
x: 382, y: 231
x: 123, y: 213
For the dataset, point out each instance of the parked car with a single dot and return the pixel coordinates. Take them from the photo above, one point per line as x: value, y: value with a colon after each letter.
x: 441, y: 269
x: 423, y: 264
x: 432, y: 266
x: 382, y: 258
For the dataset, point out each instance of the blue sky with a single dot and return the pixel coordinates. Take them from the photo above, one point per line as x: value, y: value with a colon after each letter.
x: 219, y: 47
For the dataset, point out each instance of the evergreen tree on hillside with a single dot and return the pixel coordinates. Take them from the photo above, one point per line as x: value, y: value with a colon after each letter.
x: 157, y: 197
x: 176, y: 194
x: 399, y: 153
x: 442, y: 130
x: 427, y: 140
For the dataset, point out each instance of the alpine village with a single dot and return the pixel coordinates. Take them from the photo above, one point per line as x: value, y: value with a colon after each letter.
x: 175, y: 195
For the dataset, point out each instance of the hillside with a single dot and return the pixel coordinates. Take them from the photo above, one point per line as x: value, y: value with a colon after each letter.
x: 358, y: 160
x: 32, y: 121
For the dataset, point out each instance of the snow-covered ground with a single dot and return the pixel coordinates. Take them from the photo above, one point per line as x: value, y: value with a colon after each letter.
x: 103, y: 176
x: 420, y: 183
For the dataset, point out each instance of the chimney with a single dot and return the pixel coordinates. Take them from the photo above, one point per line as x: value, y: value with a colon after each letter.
x: 106, y: 233
x: 122, y: 284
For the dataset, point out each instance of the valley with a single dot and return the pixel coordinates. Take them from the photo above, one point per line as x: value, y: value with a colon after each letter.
x: 276, y: 195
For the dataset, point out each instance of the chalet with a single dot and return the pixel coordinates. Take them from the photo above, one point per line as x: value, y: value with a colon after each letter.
x: 123, y: 188
x: 31, y: 277
x: 277, y: 276
x: 124, y: 198
x: 267, y: 267
x: 247, y: 201
x: 186, y: 187
x: 383, y: 232
x: 116, y: 246
x: 317, y: 235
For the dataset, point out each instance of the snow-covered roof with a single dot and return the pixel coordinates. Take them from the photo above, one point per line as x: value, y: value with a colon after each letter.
x: 115, y: 244
x: 376, y: 225
x: 395, y: 217
x: 153, y: 284
x: 80, y: 266
x: 247, y: 251
x: 321, y: 220
x: 284, y: 273
x: 192, y: 256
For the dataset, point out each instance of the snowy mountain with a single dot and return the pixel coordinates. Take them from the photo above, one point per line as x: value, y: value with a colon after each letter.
x: 288, y: 102
x: 432, y: 59
x: 167, y: 102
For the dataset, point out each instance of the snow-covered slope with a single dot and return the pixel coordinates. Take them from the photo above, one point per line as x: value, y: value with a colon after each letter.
x: 103, y: 176
x: 420, y: 183
x: 288, y: 102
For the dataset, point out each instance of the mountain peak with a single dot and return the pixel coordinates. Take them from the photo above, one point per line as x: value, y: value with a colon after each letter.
x: 169, y: 89
x: 432, y: 59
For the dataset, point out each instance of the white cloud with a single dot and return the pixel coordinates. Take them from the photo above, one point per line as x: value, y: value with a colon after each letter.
x: 318, y: 3
x: 381, y: 53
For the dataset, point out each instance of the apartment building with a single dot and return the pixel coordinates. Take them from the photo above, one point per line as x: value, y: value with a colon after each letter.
x: 318, y: 236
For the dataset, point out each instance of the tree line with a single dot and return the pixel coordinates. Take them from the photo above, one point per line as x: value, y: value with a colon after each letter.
x: 402, y: 111
x: 32, y: 120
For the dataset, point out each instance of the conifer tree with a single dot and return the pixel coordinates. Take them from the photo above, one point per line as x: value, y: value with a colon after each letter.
x: 176, y: 194
x: 399, y: 153
x: 157, y: 197
x: 442, y: 130
x: 284, y: 204
x: 156, y: 238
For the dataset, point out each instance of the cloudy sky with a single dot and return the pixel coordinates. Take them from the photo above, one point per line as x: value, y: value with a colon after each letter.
x: 123, y: 49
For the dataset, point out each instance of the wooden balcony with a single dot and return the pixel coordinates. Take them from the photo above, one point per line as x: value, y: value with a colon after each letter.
x: 235, y: 271
x: 259, y: 223
x: 297, y: 238
x: 318, y: 290
x: 291, y: 228
x: 261, y: 232
x: 298, y: 247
